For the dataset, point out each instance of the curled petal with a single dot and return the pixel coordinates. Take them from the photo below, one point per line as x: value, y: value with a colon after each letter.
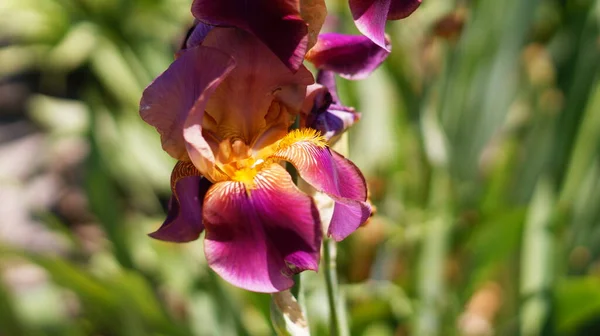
x: 370, y: 16
x: 277, y: 23
x: 331, y: 173
x: 184, y: 218
x: 166, y: 103
x: 351, y: 56
x: 258, y: 238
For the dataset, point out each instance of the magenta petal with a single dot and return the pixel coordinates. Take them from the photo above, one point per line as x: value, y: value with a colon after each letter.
x: 370, y: 17
x: 277, y: 23
x: 184, y: 218
x: 331, y: 173
x: 167, y: 101
x: 257, y: 239
x: 351, y: 56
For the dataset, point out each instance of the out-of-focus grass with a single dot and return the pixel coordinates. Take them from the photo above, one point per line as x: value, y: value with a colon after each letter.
x: 479, y: 138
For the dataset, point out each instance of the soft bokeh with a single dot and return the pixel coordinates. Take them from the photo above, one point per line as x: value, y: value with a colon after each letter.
x: 479, y: 137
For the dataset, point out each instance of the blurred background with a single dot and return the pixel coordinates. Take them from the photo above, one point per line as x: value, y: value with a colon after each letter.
x: 480, y: 140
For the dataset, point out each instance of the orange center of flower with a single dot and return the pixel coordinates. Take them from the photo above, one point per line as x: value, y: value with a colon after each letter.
x: 240, y: 163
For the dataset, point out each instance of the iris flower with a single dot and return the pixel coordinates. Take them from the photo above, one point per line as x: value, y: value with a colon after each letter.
x: 223, y: 109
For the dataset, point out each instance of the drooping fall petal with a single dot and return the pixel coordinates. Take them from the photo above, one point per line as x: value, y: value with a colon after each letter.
x: 370, y: 15
x: 258, y: 238
x: 184, y: 218
x: 331, y: 173
x: 351, y: 56
x: 185, y: 85
x: 277, y: 23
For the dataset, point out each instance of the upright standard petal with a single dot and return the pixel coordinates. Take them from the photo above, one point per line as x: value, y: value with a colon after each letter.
x: 331, y: 173
x: 240, y: 104
x: 370, y: 15
x: 257, y: 238
x: 351, y: 56
x: 277, y: 23
x: 184, y: 218
x: 186, y: 84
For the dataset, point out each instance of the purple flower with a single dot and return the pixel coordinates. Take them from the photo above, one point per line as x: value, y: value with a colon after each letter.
x: 223, y: 109
x: 370, y: 15
x: 323, y: 110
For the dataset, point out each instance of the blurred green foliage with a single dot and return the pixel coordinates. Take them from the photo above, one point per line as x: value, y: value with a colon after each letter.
x: 480, y: 139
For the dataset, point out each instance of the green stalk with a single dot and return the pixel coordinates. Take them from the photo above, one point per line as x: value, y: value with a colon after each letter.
x: 338, y: 326
x: 536, y: 256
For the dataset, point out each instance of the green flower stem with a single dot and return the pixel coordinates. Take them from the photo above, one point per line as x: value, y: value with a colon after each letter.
x: 338, y: 325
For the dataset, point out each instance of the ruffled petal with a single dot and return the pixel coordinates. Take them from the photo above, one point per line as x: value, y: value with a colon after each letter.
x: 185, y: 85
x: 331, y: 173
x: 184, y: 217
x: 257, y: 238
x: 277, y: 23
x: 351, y: 56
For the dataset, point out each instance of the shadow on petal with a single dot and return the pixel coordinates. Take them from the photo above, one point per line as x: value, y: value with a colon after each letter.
x: 184, y: 217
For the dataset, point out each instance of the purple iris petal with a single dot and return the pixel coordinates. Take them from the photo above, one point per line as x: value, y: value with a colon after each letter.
x: 334, y: 121
x: 326, y: 114
x: 331, y: 173
x: 258, y: 238
x: 327, y: 79
x: 351, y: 56
x: 185, y: 85
x: 370, y: 15
x: 184, y: 218
x: 197, y: 34
x: 277, y: 23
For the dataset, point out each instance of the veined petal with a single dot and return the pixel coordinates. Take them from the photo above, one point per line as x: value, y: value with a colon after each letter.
x: 258, y: 238
x: 185, y: 85
x: 184, y: 218
x: 331, y: 173
x: 351, y: 56
x: 277, y: 23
